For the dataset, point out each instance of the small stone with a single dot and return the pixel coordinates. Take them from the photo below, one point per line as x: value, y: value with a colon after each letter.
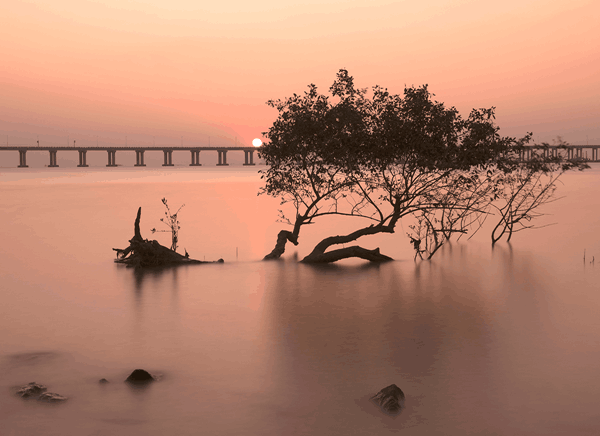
x: 390, y: 399
x: 140, y: 376
x: 102, y: 380
x: 33, y: 389
x: 51, y: 397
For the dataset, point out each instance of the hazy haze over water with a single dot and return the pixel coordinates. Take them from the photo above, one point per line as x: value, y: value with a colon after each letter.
x: 482, y: 341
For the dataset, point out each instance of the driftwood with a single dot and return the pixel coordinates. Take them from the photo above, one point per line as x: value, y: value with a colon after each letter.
x: 144, y: 253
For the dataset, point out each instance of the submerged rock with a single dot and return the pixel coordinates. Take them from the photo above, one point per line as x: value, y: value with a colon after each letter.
x: 51, y: 397
x: 33, y: 389
x: 102, y: 380
x: 32, y: 358
x: 140, y: 376
x: 390, y: 399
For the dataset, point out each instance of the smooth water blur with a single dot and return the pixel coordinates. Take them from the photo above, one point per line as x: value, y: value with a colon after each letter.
x: 503, y: 341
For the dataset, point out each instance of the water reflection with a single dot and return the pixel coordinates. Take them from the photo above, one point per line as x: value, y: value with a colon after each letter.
x: 338, y: 343
x: 155, y: 274
x: 338, y: 333
x: 481, y: 340
x: 142, y: 280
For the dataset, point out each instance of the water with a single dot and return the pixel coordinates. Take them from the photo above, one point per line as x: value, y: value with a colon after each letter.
x: 482, y: 341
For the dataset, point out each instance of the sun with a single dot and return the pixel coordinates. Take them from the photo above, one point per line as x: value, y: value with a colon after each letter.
x: 256, y: 142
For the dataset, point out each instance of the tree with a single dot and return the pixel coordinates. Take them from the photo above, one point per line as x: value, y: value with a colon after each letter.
x: 380, y: 157
x: 297, y: 157
x: 527, y: 185
x: 460, y: 208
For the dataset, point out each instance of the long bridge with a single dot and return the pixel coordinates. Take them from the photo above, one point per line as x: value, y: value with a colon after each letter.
x: 579, y: 152
x: 139, y: 154
x: 569, y: 151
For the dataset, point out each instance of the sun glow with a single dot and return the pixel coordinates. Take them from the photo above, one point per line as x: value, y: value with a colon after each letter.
x: 256, y: 142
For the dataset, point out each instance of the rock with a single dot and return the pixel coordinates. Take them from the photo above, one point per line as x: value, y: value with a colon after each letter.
x: 36, y: 390
x: 390, y: 399
x: 102, y: 380
x: 51, y: 397
x: 33, y: 389
x: 140, y: 376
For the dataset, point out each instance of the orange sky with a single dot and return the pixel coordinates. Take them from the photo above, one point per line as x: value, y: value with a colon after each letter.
x: 178, y: 68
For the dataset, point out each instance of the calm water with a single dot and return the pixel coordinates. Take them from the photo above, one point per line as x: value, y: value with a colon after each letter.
x: 482, y: 341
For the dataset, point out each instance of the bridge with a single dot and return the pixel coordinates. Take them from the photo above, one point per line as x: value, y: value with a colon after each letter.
x: 139, y: 154
x: 587, y: 153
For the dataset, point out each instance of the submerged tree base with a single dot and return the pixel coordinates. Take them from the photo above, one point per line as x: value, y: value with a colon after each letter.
x: 346, y: 253
x: 144, y: 253
x: 321, y: 255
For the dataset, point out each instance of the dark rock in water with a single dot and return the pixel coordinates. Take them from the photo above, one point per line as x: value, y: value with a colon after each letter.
x: 50, y: 397
x: 102, y: 380
x: 390, y: 399
x: 33, y: 389
x: 140, y: 376
x: 36, y: 390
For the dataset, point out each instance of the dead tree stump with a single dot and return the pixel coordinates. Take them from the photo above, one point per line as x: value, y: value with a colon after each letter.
x: 142, y: 253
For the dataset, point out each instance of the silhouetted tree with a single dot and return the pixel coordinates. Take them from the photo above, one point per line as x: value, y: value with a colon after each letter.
x: 381, y: 157
x: 527, y: 185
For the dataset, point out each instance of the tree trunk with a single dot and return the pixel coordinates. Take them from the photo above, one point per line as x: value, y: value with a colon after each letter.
x: 144, y: 253
x: 346, y: 253
x: 318, y: 255
x: 282, y: 238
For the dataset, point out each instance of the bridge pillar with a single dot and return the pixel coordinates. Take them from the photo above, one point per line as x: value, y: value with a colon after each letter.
x: 168, y: 158
x: 23, y: 159
x: 112, y: 158
x: 248, y: 157
x: 82, y: 162
x: 139, y: 158
x: 52, y: 158
x: 222, y: 158
x: 195, y: 158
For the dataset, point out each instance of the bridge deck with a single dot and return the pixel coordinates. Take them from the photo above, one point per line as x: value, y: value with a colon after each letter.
x: 139, y: 153
x: 588, y: 153
x: 130, y: 148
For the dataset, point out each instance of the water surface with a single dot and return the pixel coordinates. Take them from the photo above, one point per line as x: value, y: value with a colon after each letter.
x: 482, y: 341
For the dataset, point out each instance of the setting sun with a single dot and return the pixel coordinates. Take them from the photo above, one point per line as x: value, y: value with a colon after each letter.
x: 256, y: 142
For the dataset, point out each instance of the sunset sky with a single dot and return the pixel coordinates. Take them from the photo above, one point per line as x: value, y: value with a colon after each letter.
x: 189, y: 69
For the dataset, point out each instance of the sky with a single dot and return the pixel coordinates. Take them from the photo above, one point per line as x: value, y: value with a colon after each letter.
x: 183, y: 71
